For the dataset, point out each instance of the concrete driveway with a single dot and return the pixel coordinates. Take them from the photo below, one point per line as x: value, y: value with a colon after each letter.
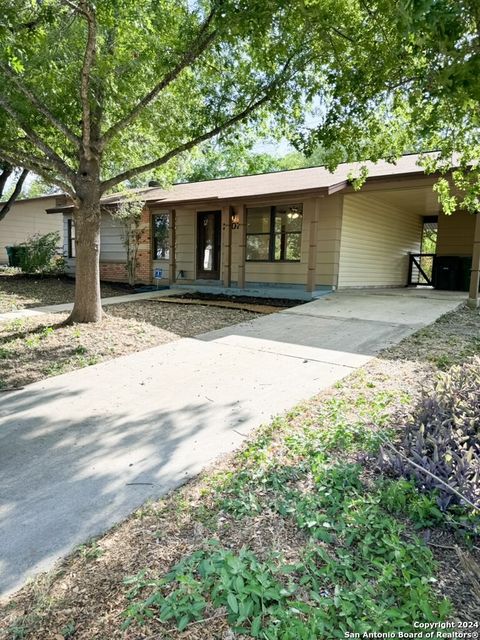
x: 80, y: 451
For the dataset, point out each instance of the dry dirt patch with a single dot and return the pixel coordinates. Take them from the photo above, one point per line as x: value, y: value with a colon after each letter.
x: 23, y: 292
x: 450, y: 340
x: 36, y: 348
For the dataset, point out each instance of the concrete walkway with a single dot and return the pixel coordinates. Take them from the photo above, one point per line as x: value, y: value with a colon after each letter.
x: 80, y: 451
x: 68, y: 306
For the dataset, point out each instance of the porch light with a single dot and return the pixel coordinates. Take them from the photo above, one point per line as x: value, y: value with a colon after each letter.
x: 235, y: 218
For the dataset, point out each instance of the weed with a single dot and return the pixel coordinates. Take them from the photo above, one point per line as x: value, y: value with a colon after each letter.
x: 15, y: 325
x: 68, y: 630
x: 80, y: 350
x: 47, y: 331
x: 90, y: 551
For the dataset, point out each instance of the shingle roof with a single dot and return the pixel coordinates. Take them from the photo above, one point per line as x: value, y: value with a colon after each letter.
x: 278, y: 182
x: 295, y: 180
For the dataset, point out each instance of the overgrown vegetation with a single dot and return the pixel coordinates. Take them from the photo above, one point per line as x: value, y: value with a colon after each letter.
x: 440, y: 439
x: 41, y: 254
x: 355, y: 567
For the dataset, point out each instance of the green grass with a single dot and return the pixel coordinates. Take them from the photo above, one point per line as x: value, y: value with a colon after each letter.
x: 359, y: 567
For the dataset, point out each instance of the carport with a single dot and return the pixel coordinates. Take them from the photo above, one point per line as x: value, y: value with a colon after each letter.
x: 447, y: 256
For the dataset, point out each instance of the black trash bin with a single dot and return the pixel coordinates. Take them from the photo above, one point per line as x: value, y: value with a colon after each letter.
x: 15, y: 254
x: 448, y: 273
x: 11, y: 255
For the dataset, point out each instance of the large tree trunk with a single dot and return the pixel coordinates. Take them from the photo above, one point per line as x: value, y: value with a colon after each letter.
x: 88, y: 306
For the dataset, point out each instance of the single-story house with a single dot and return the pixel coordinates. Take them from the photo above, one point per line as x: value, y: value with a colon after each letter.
x: 296, y: 233
x: 27, y: 218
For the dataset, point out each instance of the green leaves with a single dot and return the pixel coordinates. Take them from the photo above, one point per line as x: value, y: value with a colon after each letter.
x: 408, y: 81
x: 232, y: 602
x: 163, y: 74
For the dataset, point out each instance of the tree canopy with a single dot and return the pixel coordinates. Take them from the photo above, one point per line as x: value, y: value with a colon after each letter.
x: 142, y: 81
x: 97, y: 92
x: 409, y: 84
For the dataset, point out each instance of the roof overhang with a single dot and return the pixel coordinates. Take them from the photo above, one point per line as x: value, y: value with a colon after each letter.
x: 191, y: 202
x: 373, y: 182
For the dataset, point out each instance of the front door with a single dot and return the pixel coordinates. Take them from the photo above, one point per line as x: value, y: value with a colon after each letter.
x: 208, y: 244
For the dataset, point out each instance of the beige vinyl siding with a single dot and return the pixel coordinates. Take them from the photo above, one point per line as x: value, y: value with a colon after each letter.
x: 25, y: 219
x: 455, y: 234
x: 328, y: 240
x: 112, y: 248
x: 282, y: 273
x: 376, y: 239
x: 186, y: 245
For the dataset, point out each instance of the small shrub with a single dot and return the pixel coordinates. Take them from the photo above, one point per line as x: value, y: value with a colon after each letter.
x: 40, y: 255
x: 442, y: 435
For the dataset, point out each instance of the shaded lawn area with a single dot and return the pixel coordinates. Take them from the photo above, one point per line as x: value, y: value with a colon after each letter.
x: 296, y: 537
x: 35, y: 348
x: 23, y: 292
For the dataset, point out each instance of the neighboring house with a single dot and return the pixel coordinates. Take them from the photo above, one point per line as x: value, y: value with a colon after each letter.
x: 27, y: 218
x: 292, y: 233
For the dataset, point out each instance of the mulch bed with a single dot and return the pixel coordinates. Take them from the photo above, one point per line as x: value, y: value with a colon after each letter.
x: 282, y: 303
x: 36, y: 348
x: 24, y: 292
x: 223, y: 304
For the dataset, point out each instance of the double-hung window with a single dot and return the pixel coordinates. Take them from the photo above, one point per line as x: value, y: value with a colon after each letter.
x: 274, y: 233
x: 70, y: 238
x: 161, y: 236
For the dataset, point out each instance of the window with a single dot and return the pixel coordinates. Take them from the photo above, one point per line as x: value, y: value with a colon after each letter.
x: 274, y: 233
x: 161, y: 236
x: 70, y: 238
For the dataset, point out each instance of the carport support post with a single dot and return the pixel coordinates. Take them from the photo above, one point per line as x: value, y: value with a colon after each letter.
x: 473, y: 298
x: 226, y: 246
x: 242, y: 225
x: 312, y: 247
x: 171, y: 243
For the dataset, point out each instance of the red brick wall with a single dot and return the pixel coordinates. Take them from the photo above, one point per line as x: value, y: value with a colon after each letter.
x: 116, y: 271
x: 113, y: 272
x: 144, y: 256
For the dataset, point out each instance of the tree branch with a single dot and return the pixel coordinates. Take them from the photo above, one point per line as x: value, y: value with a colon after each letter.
x: 5, y: 208
x: 7, y: 171
x: 42, y: 108
x: 89, y: 57
x: 36, y: 165
x: 23, y: 157
x: 154, y: 164
x: 202, y: 41
x: 60, y: 165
